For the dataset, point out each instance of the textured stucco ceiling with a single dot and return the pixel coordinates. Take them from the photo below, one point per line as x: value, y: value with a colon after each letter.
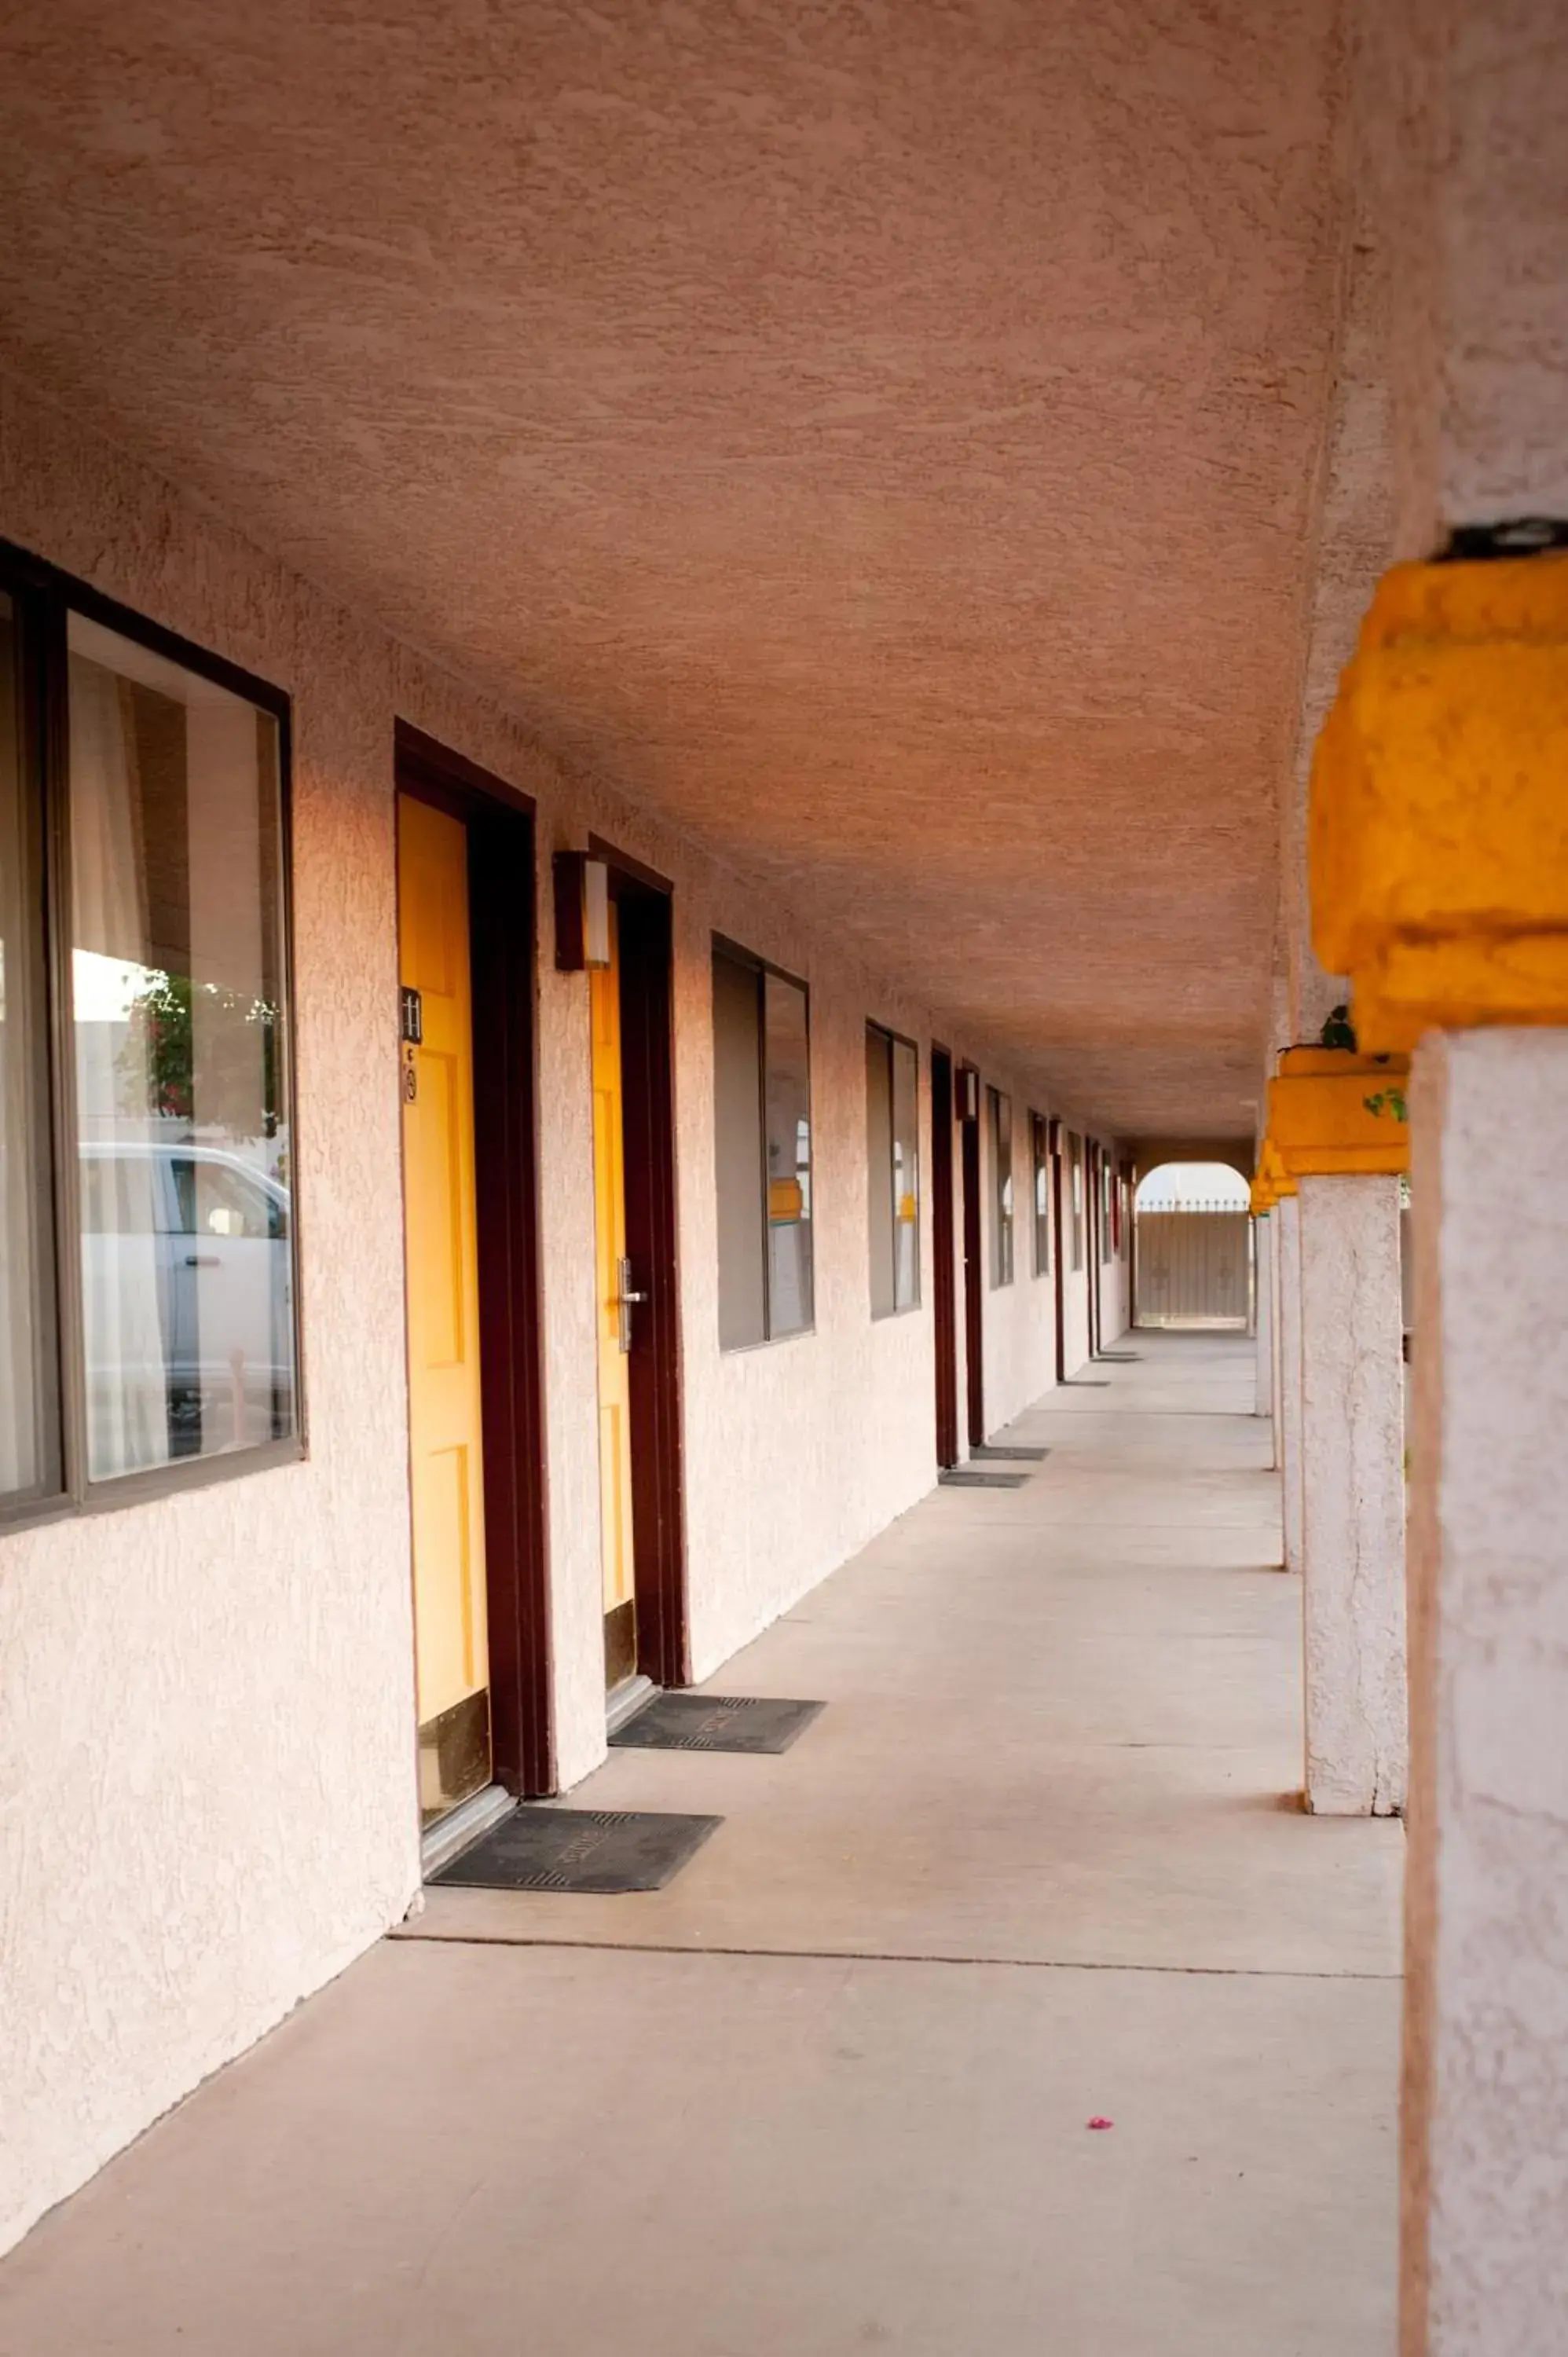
x: 881, y: 434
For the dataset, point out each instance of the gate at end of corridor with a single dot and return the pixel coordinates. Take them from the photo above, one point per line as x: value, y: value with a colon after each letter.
x: 1194, y: 1248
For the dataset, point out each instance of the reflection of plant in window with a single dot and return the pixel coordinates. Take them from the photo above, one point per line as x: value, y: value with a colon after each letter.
x: 159, y: 1055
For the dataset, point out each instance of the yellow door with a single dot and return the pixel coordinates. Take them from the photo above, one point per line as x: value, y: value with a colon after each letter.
x: 612, y: 1284
x: 442, y: 1255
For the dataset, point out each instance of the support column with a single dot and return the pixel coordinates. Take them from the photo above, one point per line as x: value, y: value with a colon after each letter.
x: 1486, y: 2092
x: 1263, y: 1316
x: 1352, y: 1487
x: 1288, y: 1213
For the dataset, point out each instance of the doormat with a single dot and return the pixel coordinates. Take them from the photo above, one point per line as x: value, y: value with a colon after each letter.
x: 698, y: 1722
x: 1011, y: 1455
x: 1121, y: 1358
x: 960, y: 1476
x: 599, y: 1850
x: 1085, y: 1382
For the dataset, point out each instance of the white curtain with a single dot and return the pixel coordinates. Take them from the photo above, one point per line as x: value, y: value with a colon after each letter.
x: 127, y: 1379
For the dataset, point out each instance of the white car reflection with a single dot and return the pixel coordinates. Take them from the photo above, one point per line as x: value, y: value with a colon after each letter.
x: 187, y: 1285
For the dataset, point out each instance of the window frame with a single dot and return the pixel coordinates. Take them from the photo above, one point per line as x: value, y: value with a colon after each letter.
x: 1040, y: 1171
x: 1003, y: 1266
x: 43, y: 598
x: 891, y: 1041
x: 722, y: 945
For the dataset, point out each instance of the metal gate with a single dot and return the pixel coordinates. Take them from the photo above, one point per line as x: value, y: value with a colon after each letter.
x: 1194, y: 1268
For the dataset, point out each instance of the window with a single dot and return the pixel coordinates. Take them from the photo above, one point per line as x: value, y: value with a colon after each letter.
x: 892, y: 1138
x: 762, y: 1150
x: 1075, y: 1182
x: 1040, y: 1163
x: 1000, y: 1109
x: 166, y: 961
x: 1106, y: 1241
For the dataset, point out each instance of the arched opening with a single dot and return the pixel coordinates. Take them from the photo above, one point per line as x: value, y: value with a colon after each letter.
x: 1193, y: 1248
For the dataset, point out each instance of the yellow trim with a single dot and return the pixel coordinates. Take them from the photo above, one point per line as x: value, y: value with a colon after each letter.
x: 1320, y: 1123
x: 1439, y: 820
x: 1272, y: 1180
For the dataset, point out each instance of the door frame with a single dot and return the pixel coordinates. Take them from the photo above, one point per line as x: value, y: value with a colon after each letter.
x: 1062, y: 1244
x: 645, y: 910
x: 1092, y: 1224
x: 944, y: 1317
x: 502, y: 934
x: 973, y: 1249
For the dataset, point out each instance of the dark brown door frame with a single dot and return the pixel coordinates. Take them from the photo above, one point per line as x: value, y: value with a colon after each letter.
x: 1132, y: 1225
x: 973, y: 1272
x: 644, y: 907
x: 944, y: 1308
x: 1092, y: 1209
x: 502, y: 941
x: 1062, y: 1247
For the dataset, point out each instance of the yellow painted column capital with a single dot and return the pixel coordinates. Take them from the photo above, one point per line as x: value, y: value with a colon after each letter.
x: 1272, y: 1178
x: 1439, y: 817
x: 1334, y: 1113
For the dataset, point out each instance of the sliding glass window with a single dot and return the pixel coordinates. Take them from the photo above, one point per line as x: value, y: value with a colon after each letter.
x: 893, y: 1149
x: 762, y: 1150
x: 167, y: 1234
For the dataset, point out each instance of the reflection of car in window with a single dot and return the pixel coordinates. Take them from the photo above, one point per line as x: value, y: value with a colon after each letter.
x: 187, y: 1278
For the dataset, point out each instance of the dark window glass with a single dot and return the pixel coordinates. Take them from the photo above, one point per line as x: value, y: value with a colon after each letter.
x: 1075, y: 1185
x: 30, y: 1400
x: 737, y: 1153
x: 1040, y: 1166
x: 787, y: 1099
x: 892, y: 1126
x: 762, y: 1149
x: 1001, y: 1112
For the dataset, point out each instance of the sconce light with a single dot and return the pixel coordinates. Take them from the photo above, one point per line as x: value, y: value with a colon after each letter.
x: 968, y: 1094
x: 582, y: 911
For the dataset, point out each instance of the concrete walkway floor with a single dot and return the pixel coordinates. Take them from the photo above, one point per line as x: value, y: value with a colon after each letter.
x: 1037, y: 1863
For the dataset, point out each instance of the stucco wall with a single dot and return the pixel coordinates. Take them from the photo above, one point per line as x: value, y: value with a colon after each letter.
x: 207, y: 1747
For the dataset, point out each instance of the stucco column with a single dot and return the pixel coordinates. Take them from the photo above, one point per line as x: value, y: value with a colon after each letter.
x: 1485, y: 2125
x: 1263, y: 1316
x: 1352, y: 1492
x: 1288, y: 1249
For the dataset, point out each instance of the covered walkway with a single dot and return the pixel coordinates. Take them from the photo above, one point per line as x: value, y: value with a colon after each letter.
x: 1039, y: 1862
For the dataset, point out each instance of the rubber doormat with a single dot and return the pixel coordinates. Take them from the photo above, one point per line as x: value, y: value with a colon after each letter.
x: 597, y: 1850
x: 696, y: 1722
x: 1010, y: 1454
x: 1085, y: 1382
x: 964, y: 1477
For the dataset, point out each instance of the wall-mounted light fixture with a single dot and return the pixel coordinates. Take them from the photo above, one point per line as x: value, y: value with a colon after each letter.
x: 968, y: 1093
x: 582, y: 911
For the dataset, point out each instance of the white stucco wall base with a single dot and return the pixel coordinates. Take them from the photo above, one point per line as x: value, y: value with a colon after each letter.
x: 1486, y: 2110
x: 1352, y: 1482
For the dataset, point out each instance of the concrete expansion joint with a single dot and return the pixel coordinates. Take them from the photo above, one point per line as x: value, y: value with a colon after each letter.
x: 712, y: 1948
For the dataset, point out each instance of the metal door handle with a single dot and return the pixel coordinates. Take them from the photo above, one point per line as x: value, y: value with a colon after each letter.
x: 626, y: 1301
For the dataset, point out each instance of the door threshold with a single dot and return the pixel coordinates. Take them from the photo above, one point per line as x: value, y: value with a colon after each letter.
x: 624, y: 1702
x: 441, y: 1843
